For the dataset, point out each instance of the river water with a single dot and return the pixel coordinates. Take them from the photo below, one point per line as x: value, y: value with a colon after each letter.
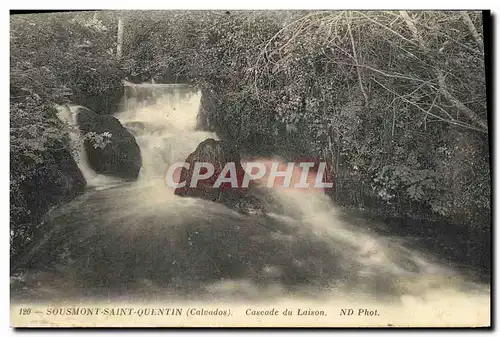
x: 139, y: 241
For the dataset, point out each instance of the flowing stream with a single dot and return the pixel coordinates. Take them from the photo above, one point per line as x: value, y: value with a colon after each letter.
x: 143, y: 240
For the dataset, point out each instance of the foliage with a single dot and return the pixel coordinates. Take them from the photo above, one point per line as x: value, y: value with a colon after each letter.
x: 395, y: 102
x: 55, y: 59
x: 384, y: 97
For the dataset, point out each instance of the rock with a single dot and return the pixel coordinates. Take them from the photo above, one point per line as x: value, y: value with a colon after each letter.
x: 53, y: 184
x: 121, y: 157
x: 218, y: 154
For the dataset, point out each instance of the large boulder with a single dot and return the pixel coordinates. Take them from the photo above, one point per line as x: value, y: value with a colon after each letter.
x: 52, y: 184
x: 121, y: 157
x: 219, y: 153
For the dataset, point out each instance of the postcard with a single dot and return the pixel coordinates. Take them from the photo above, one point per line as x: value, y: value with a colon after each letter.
x: 286, y: 168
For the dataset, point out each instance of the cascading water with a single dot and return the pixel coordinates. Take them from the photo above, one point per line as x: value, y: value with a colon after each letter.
x: 142, y: 231
x: 163, y: 118
x: 68, y: 114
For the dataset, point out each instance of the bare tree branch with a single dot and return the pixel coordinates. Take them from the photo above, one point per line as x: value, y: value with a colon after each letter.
x: 412, y: 27
x: 360, y: 78
x: 450, y: 121
x: 387, y: 28
x: 473, y: 30
x: 471, y: 115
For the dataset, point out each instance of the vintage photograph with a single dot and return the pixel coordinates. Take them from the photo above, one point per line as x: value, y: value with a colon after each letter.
x: 250, y: 168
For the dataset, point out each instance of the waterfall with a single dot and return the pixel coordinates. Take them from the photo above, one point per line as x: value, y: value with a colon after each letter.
x: 163, y: 119
x: 68, y: 114
x: 142, y: 231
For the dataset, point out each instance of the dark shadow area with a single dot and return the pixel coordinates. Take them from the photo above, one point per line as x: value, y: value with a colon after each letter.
x: 463, y: 248
x: 101, y: 245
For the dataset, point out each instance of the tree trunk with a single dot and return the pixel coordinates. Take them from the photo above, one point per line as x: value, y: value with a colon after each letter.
x: 119, y: 45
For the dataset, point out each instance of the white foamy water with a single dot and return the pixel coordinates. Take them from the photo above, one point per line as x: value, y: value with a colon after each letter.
x: 69, y: 115
x: 164, y: 126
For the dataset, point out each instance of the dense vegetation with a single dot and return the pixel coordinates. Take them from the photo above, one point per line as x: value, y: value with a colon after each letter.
x: 394, y: 101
